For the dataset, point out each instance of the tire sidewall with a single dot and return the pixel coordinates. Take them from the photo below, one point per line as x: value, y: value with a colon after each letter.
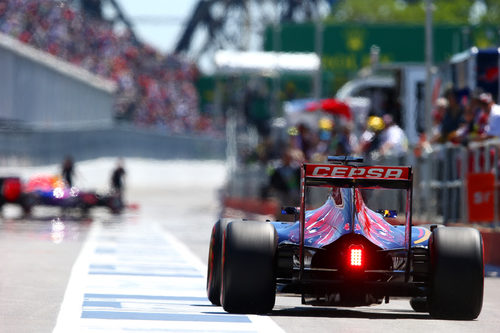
x: 248, y: 267
x: 457, y: 273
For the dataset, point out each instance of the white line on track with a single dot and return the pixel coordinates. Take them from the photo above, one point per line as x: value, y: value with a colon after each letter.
x: 134, y: 277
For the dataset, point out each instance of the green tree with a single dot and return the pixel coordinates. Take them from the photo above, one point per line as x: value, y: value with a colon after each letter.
x: 413, y: 11
x: 492, y: 12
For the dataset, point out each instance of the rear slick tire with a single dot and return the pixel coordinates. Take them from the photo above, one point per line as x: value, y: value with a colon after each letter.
x: 248, y: 267
x: 457, y: 273
x: 215, y: 261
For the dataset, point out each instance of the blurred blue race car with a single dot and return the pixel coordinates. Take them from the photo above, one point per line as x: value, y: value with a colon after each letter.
x: 52, y: 190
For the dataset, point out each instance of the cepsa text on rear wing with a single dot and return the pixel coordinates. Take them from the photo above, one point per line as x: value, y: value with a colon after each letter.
x: 398, y: 177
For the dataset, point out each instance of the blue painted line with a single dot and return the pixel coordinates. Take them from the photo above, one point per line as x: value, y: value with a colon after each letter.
x: 94, y: 266
x: 104, y: 250
x: 223, y: 318
x: 182, y: 267
x: 100, y: 304
x: 146, y: 297
x: 197, y: 276
x: 491, y: 271
x: 149, y: 260
x: 134, y: 241
x: 148, y: 253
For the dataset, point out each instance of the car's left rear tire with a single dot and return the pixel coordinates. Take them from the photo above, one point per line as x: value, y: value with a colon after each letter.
x: 215, y: 261
x: 457, y: 273
x: 248, y: 267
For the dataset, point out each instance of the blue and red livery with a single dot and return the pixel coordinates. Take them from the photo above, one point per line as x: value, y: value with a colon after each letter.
x: 345, y: 253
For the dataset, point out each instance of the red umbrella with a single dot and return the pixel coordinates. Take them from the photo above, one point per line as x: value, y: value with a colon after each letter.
x: 332, y: 106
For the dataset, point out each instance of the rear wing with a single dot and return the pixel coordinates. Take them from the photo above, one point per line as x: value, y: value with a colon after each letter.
x: 344, y: 175
x: 395, y: 177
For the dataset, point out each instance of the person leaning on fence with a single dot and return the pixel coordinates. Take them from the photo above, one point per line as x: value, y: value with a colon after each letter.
x: 303, y: 140
x: 393, y: 138
x: 285, y: 180
x: 492, y: 110
x: 437, y: 118
x: 370, y: 139
x: 469, y: 130
x: 453, y: 117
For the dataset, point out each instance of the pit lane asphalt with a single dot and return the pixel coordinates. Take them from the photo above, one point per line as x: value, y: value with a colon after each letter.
x: 37, y: 259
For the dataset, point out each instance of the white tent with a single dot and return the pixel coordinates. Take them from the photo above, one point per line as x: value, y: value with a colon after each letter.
x: 236, y: 62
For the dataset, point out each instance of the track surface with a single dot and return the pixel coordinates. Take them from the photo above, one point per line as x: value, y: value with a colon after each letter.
x: 38, y: 256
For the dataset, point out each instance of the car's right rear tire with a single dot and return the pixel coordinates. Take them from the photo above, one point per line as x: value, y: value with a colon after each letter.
x: 248, y: 267
x: 457, y: 273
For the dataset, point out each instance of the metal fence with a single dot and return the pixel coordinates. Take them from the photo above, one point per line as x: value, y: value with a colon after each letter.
x: 440, y: 188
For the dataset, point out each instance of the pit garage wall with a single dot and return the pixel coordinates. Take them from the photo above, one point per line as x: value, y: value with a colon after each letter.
x: 38, y: 89
x: 41, y: 147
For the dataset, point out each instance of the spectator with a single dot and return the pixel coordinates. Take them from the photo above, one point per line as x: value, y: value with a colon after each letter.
x: 370, y: 138
x: 117, y: 178
x: 468, y: 130
x: 285, y: 180
x: 68, y: 170
x: 303, y: 139
x: 393, y: 140
x: 475, y: 121
x: 452, y: 118
x: 480, y: 115
x: 492, y: 110
x: 347, y: 140
x: 327, y: 135
x: 341, y: 140
x: 437, y: 117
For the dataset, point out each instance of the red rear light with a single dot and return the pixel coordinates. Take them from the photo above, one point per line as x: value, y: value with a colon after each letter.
x: 11, y: 189
x: 356, y: 256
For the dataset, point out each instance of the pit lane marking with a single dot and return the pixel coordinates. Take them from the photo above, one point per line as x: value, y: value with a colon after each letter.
x: 137, y: 278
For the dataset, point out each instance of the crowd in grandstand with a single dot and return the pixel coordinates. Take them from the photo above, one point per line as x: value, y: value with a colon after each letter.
x: 153, y: 89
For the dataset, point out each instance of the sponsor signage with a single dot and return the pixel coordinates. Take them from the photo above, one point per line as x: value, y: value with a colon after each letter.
x: 364, y: 172
x: 347, y: 47
x: 480, y: 197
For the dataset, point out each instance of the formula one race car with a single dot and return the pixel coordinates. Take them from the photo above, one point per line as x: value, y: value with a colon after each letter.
x: 346, y: 254
x: 48, y: 190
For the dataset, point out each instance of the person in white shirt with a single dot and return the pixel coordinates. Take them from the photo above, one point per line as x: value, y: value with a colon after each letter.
x: 393, y: 138
x: 493, y: 111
